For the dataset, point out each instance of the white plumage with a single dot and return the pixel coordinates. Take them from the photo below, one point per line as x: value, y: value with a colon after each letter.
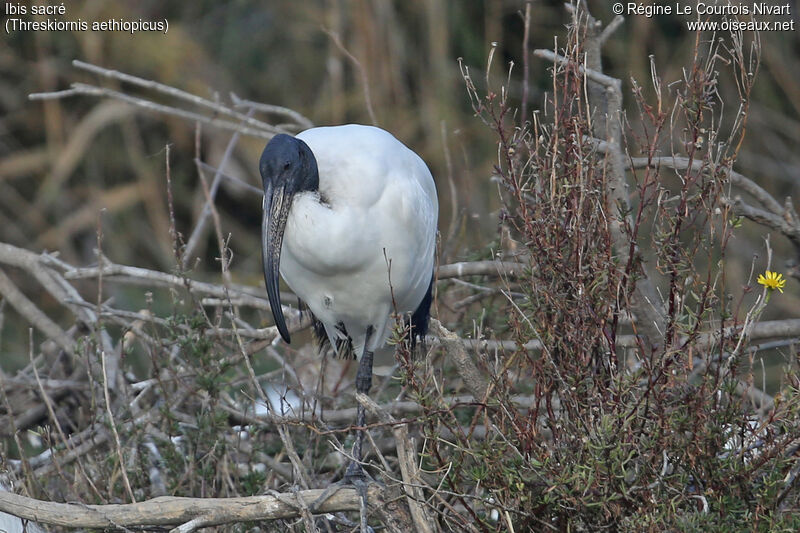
x: 374, y: 195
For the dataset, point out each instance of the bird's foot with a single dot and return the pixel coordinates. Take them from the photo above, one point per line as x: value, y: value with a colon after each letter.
x: 354, y: 477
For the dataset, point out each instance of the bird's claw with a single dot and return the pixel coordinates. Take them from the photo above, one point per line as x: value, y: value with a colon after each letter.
x: 354, y: 477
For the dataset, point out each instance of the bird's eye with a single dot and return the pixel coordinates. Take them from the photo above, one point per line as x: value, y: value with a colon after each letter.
x: 286, y: 165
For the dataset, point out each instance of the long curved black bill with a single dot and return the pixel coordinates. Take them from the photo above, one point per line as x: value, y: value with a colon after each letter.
x: 273, y: 222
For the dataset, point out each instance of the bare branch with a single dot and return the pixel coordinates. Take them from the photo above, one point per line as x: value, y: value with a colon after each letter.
x: 91, y: 90
x: 609, y: 30
x: 361, y: 71
x: 406, y: 456
x: 593, y: 75
x: 770, y: 220
x: 779, y: 217
x: 481, y: 268
x: 525, y: 60
x: 200, y: 226
x: 33, y: 314
x: 173, y: 511
x: 466, y: 367
x: 741, y: 181
x: 301, y: 120
x: 112, y: 423
x: 247, y: 125
x: 154, y: 278
x: 174, y: 92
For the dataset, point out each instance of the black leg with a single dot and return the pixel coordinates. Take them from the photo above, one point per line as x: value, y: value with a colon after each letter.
x: 355, y: 475
x: 363, y: 385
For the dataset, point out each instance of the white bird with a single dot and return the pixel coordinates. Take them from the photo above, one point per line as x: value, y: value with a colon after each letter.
x: 350, y: 216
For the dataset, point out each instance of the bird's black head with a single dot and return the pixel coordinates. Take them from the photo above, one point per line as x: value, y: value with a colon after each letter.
x: 288, y: 162
x: 287, y: 167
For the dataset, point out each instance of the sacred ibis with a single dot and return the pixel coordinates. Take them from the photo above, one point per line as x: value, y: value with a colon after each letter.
x: 349, y: 221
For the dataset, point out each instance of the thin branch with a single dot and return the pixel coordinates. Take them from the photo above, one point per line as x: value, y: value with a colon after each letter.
x: 406, y: 457
x: 154, y: 278
x: 117, y: 443
x: 199, y: 229
x: 348, y: 414
x: 609, y: 30
x: 92, y: 90
x: 233, y: 179
x: 176, y: 93
x: 33, y: 314
x: 361, y: 71
x: 302, y: 121
x: 767, y: 219
x: 481, y: 268
x: 593, y: 75
x: 525, y: 61
x: 741, y: 181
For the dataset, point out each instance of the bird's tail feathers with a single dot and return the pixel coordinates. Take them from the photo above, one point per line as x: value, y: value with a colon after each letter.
x: 340, y: 341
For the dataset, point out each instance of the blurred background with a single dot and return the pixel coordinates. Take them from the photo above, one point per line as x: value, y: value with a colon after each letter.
x: 64, y: 164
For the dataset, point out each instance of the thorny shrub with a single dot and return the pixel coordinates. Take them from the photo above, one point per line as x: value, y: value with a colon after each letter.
x: 591, y: 433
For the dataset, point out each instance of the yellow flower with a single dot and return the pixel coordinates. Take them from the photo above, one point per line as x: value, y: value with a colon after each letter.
x: 772, y: 281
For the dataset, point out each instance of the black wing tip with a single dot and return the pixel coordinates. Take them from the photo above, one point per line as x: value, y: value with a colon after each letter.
x: 420, y: 320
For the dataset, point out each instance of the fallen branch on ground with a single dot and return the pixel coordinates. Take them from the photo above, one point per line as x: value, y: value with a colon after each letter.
x: 188, y: 513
